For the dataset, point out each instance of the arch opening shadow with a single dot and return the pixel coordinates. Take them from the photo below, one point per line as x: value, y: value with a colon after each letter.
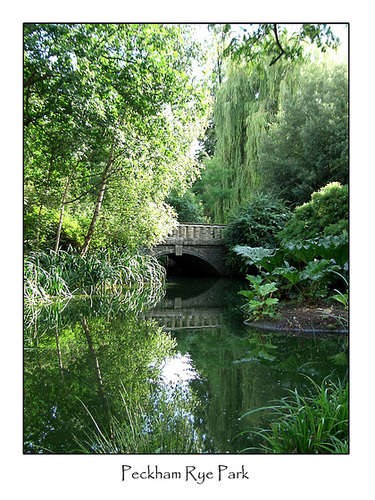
x: 187, y: 265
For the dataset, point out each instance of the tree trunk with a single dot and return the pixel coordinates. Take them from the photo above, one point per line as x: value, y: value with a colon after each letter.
x: 103, y: 184
x: 38, y: 226
x: 43, y: 198
x: 57, y: 241
x: 58, y: 233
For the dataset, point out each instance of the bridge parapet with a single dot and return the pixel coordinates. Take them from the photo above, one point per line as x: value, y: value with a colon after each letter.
x: 196, y: 234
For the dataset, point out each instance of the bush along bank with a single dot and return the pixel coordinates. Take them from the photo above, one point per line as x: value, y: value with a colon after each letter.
x: 296, y: 262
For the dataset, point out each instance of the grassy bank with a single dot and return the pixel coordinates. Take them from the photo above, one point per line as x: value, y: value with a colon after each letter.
x: 66, y: 273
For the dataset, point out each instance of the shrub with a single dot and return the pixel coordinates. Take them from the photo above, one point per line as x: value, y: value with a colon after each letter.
x: 256, y: 225
x: 259, y: 299
x: 72, y: 233
x: 311, y: 269
x: 72, y: 230
x: 46, y: 218
x: 326, y: 214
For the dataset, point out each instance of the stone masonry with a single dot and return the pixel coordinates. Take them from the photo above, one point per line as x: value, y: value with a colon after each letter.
x: 203, y: 241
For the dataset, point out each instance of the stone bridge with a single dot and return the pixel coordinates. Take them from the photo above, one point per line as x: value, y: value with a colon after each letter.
x: 199, y: 248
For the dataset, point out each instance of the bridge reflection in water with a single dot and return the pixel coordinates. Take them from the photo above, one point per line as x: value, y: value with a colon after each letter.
x: 181, y: 310
x: 181, y: 318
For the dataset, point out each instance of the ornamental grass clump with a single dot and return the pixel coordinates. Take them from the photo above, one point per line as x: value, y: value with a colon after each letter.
x: 316, y: 423
x: 64, y: 273
x: 164, y: 424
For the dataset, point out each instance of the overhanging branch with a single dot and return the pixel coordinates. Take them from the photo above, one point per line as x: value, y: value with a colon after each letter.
x: 282, y: 51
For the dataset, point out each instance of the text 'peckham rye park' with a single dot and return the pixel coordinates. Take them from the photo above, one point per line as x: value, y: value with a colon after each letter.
x: 189, y: 473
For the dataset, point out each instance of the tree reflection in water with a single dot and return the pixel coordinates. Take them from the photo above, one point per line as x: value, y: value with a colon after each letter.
x: 95, y: 381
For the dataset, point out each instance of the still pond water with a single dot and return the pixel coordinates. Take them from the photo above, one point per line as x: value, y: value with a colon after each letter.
x: 93, y: 362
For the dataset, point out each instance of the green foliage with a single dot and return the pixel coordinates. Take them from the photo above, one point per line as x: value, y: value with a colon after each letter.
x: 256, y: 224
x: 210, y: 189
x: 258, y: 256
x: 65, y: 273
x: 328, y: 247
x: 110, y: 113
x: 309, y: 270
x: 71, y: 232
x: 246, y: 104
x: 40, y: 219
x: 187, y: 207
x: 276, y: 43
x: 259, y: 299
x: 314, y: 281
x: 326, y: 213
x: 315, y: 278
x: 299, y: 253
x: 343, y: 298
x: 40, y: 226
x: 161, y: 425
x: 281, y: 129
x: 307, y: 145
x: 316, y: 423
x: 207, y: 143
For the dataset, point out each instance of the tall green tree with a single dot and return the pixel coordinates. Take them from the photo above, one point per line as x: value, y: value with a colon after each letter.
x: 266, y: 61
x: 307, y: 146
x: 246, y: 105
x: 108, y: 105
x: 276, y: 42
x: 280, y: 128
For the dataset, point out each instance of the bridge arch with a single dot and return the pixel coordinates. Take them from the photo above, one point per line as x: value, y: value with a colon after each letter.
x: 191, y: 261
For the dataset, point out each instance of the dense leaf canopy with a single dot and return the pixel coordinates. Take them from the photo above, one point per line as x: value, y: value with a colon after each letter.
x: 110, y: 114
x: 280, y: 128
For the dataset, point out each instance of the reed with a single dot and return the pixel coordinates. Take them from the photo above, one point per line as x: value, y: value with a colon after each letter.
x: 316, y: 423
x: 161, y: 425
x: 65, y: 273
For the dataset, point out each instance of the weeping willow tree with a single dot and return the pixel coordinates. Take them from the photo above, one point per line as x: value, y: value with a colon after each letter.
x: 246, y: 105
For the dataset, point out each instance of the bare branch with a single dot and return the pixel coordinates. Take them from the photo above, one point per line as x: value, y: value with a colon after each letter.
x: 279, y: 45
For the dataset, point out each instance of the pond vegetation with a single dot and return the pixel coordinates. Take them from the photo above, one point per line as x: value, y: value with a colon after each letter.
x: 315, y: 423
x: 105, y: 271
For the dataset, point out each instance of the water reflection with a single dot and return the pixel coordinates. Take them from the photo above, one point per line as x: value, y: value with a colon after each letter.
x: 178, y: 370
x: 240, y: 368
x: 182, y: 368
x: 77, y: 361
